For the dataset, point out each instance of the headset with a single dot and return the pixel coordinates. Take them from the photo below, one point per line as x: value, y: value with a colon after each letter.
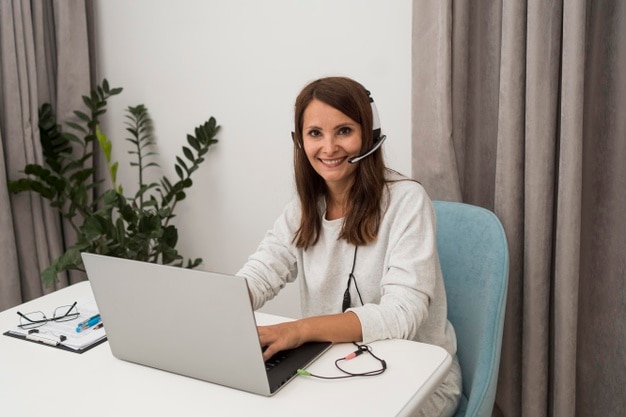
x: 378, y: 138
x: 376, y: 130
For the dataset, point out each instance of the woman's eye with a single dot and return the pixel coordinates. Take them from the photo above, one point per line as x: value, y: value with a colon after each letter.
x: 345, y: 131
x: 314, y: 133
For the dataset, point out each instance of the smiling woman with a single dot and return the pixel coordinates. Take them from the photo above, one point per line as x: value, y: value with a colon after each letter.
x: 349, y: 104
x: 330, y: 138
x: 360, y: 239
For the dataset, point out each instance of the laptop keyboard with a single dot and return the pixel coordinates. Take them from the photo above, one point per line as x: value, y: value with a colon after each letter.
x: 272, y: 362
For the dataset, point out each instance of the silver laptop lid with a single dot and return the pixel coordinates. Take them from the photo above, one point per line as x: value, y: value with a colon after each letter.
x: 194, y: 323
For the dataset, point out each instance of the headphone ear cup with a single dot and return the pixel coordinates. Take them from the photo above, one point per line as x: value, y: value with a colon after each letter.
x: 295, y: 140
x: 375, y: 121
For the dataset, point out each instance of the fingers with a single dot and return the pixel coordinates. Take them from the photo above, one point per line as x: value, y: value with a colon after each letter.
x: 276, y: 338
x: 270, y: 340
x: 269, y: 352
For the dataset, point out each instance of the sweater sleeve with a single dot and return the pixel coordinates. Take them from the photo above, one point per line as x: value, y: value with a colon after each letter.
x: 274, y: 263
x: 411, y: 268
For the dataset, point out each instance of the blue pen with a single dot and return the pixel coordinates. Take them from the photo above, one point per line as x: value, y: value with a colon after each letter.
x: 92, y: 321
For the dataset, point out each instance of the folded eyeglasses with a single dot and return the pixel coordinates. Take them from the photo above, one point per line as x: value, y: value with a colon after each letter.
x: 38, y: 318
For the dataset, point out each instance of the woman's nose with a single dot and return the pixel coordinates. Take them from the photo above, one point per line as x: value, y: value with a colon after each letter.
x: 329, y: 144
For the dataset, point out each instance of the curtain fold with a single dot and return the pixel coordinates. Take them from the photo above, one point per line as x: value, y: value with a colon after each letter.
x: 33, y: 71
x: 432, y: 113
x: 10, y: 289
x: 568, y: 209
x: 541, y: 137
x: 509, y: 194
x: 528, y: 121
x: 601, y: 344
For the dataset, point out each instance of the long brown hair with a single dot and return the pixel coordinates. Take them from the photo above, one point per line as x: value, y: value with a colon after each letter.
x: 363, y: 215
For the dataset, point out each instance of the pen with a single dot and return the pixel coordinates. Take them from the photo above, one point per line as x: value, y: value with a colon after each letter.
x: 92, y: 321
x: 98, y: 326
x: 37, y: 338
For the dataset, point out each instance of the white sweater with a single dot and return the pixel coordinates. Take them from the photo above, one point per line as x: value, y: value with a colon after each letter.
x: 398, y: 275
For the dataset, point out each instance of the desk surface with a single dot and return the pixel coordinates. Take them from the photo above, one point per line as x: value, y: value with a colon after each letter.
x: 40, y: 380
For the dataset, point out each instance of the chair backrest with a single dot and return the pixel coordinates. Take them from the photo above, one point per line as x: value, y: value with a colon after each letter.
x: 474, y: 259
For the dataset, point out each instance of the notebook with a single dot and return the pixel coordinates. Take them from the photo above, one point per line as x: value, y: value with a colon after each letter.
x: 189, y: 322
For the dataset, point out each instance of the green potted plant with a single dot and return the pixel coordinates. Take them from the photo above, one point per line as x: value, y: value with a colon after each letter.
x: 105, y: 220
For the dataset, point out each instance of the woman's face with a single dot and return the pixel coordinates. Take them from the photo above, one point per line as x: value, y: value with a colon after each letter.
x: 329, y: 138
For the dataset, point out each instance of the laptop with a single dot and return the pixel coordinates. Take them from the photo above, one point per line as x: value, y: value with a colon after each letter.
x: 193, y: 323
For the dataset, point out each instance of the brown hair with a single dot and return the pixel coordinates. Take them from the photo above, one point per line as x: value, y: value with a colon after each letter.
x: 363, y: 216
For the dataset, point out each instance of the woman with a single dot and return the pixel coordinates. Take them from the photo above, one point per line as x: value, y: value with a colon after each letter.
x: 360, y: 237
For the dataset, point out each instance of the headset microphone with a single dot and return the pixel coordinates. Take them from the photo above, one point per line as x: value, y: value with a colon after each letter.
x: 378, y: 139
x: 368, y: 153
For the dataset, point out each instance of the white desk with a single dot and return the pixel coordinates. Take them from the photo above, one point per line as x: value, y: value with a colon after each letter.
x: 38, y: 380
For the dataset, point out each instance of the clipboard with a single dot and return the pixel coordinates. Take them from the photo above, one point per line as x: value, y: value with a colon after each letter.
x: 63, y: 334
x: 59, y: 345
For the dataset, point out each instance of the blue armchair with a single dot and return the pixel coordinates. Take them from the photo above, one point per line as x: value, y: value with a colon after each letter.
x: 474, y: 259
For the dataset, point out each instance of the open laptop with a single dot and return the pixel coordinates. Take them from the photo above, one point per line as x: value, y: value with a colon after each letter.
x: 189, y: 322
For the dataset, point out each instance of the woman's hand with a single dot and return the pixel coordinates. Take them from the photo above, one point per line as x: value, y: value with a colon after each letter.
x: 279, y: 337
x: 336, y: 328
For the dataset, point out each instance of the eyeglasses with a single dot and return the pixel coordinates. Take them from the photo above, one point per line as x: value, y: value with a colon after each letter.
x: 38, y: 318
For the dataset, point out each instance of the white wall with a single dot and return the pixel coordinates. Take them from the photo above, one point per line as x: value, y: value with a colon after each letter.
x: 244, y: 62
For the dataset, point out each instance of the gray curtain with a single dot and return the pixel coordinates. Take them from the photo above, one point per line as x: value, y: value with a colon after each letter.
x: 44, y: 57
x: 520, y: 107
